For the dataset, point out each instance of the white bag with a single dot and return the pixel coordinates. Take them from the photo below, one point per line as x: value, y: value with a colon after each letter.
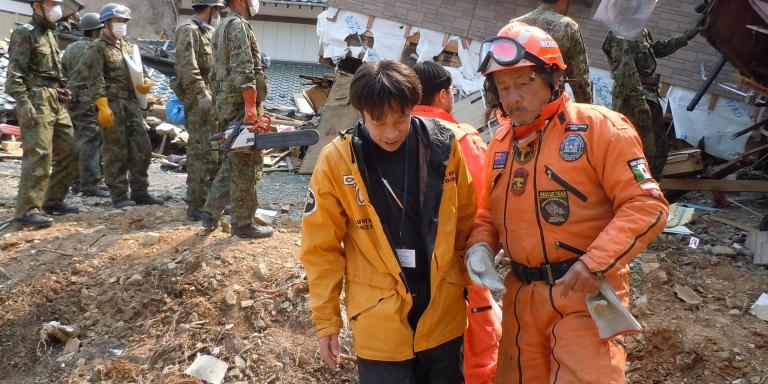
x: 626, y: 18
x: 136, y: 69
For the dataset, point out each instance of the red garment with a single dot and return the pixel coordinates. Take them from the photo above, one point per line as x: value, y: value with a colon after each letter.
x: 481, y: 339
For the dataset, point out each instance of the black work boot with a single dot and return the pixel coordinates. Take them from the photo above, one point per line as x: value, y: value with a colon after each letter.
x: 194, y: 214
x: 146, y: 199
x: 123, y: 202
x: 252, y: 232
x: 34, y: 219
x: 98, y: 192
x: 59, y: 209
x: 207, y: 221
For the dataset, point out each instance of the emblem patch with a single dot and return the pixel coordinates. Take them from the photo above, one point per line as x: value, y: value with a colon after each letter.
x: 500, y: 160
x: 519, y: 179
x: 639, y: 169
x: 359, y: 196
x: 651, y: 188
x: 310, y: 204
x: 577, y: 127
x: 554, y: 206
x: 572, y: 147
x: 524, y: 155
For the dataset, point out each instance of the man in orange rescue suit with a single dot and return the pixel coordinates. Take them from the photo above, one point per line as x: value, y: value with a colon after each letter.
x: 569, y: 197
x: 481, y: 339
x: 389, y: 209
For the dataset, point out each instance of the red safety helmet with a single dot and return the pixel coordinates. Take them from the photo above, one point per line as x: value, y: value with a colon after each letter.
x: 519, y: 45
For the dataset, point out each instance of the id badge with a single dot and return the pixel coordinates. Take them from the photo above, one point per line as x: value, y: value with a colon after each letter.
x: 407, y: 257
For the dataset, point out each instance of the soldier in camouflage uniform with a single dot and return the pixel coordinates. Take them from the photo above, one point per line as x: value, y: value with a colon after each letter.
x: 34, y: 80
x: 126, y: 149
x: 239, y: 88
x: 550, y: 17
x: 636, y: 87
x: 83, y: 111
x: 194, y: 61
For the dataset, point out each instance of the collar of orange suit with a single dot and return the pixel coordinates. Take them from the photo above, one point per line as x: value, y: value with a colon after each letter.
x: 433, y: 112
x: 547, y: 111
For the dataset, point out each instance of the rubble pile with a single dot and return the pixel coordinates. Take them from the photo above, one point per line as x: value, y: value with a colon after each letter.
x: 7, y: 103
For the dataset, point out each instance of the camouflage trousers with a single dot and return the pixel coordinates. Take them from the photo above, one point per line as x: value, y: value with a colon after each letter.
x: 202, y: 163
x: 49, y: 160
x: 648, y: 119
x: 238, y: 175
x: 126, y: 150
x: 83, y: 114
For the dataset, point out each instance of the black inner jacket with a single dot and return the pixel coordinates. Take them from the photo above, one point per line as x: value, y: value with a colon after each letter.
x: 429, y: 147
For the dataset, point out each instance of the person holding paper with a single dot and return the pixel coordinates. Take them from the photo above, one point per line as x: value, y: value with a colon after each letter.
x: 569, y: 197
x: 390, y: 205
x: 126, y: 150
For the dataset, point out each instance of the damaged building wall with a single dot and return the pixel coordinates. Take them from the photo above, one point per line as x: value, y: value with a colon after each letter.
x: 148, y: 21
x: 483, y: 18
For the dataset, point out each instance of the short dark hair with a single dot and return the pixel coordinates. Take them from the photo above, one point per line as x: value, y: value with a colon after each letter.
x: 434, y: 78
x: 383, y: 86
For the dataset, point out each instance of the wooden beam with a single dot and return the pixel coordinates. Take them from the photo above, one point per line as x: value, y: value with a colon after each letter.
x: 715, y: 185
x: 734, y: 224
x: 752, y: 84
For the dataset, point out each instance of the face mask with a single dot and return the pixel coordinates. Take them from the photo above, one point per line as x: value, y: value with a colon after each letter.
x: 54, y: 14
x: 120, y: 30
x: 215, y: 20
x: 253, y: 7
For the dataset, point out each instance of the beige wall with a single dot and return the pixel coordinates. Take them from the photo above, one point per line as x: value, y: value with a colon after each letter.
x: 8, y: 23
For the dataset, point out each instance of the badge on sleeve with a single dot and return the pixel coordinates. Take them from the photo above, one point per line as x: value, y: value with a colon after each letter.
x: 500, y: 160
x: 639, y: 169
x: 519, y: 179
x: 310, y: 204
x: 572, y: 147
x: 651, y: 188
x: 554, y: 206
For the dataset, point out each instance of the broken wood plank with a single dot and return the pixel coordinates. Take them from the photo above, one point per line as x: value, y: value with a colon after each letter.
x: 734, y: 224
x: 684, y: 162
x: 335, y: 118
x: 714, y: 185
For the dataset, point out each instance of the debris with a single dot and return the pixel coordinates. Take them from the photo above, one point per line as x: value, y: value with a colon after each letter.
x: 285, y: 209
x: 693, y: 242
x: 686, y: 294
x: 760, y: 307
x: 757, y: 242
x: 72, y: 346
x: 239, y: 362
x: 151, y: 238
x: 230, y: 298
x: 734, y: 224
x: 264, y: 216
x: 246, y: 303
x: 226, y: 227
x: 657, y: 276
x: 722, y: 250
x: 679, y: 215
x: 208, y: 368
x: 260, y: 272
x: 678, y: 230
x: 136, y: 279
x: 649, y: 267
x: 58, y: 331
x: 4, y: 274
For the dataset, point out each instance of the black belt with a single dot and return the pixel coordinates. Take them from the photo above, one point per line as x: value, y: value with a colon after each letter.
x: 548, y: 273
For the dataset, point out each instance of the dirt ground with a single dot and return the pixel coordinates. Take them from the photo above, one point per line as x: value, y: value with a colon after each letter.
x: 146, y: 293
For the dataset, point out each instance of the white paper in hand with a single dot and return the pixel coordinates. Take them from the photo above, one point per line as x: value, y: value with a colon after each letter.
x: 610, y: 315
x: 136, y: 69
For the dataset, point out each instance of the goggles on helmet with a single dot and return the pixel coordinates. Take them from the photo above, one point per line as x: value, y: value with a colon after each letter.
x: 506, y: 52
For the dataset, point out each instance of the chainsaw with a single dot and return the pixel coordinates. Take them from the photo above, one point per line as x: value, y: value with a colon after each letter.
x: 245, y: 137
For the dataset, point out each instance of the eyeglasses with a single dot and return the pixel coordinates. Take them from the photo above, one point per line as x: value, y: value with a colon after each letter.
x: 453, y: 90
x: 506, y: 52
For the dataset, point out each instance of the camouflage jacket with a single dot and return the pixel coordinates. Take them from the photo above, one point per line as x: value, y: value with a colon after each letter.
x: 78, y: 79
x: 34, y: 59
x: 237, y: 58
x: 106, y: 67
x: 194, y: 57
x: 567, y: 34
x: 633, y: 63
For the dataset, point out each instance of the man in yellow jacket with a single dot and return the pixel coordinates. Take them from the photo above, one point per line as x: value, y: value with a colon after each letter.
x: 390, y: 205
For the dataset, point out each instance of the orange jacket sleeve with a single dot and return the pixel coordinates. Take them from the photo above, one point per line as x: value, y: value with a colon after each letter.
x: 322, y: 231
x: 616, y: 154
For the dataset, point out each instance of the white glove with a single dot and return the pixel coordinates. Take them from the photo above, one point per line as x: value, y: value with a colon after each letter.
x: 204, y: 101
x: 481, y: 269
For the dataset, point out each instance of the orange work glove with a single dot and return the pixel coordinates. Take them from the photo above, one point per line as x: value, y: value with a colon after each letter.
x: 146, y: 87
x: 105, y: 116
x: 251, y: 111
